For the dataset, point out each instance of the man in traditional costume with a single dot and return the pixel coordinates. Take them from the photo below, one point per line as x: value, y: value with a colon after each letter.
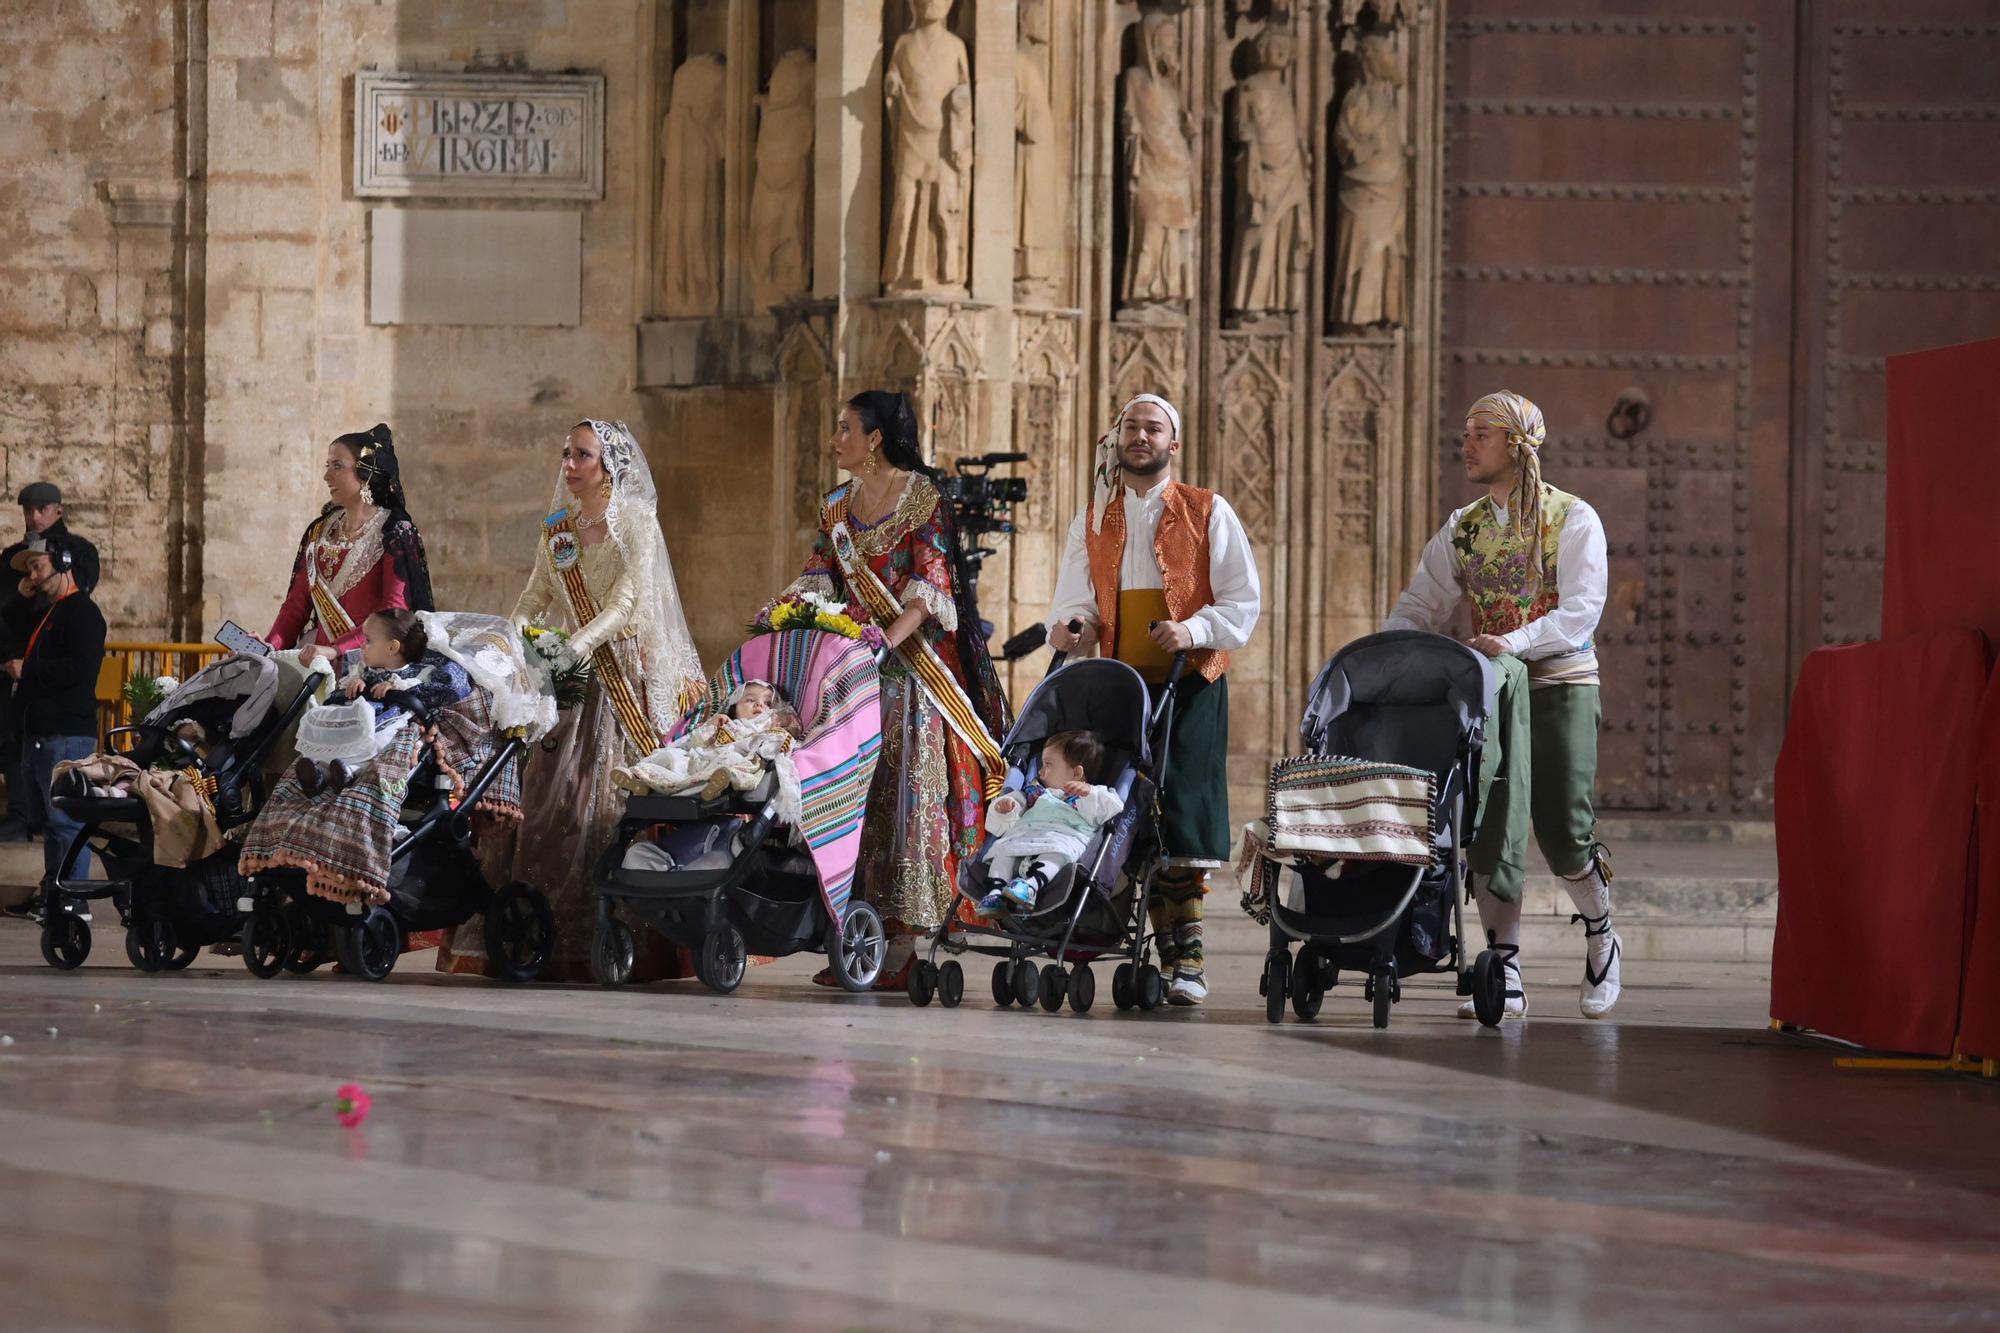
x: 1154, y: 567
x: 1529, y: 559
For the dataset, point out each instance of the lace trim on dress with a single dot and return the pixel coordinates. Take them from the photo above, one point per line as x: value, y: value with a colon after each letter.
x: 364, y: 552
x: 936, y: 601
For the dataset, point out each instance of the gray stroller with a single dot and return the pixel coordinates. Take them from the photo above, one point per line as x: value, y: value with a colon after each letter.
x: 1410, y: 698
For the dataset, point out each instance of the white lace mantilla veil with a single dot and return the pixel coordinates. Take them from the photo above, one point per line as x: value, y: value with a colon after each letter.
x: 673, y: 667
x: 490, y: 650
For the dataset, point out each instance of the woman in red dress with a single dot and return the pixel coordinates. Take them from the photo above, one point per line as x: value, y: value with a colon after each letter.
x: 362, y: 554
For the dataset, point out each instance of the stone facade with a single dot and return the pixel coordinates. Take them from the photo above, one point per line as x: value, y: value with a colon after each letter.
x: 179, y: 358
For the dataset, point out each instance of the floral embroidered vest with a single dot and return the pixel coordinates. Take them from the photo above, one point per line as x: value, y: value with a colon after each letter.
x: 1180, y: 545
x: 1493, y: 564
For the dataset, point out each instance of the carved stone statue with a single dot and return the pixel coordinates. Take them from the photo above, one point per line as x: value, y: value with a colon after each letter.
x: 781, y: 198
x: 1038, y: 167
x: 1370, y: 247
x: 1271, y: 185
x: 928, y: 91
x: 688, y: 253
x: 1159, y: 165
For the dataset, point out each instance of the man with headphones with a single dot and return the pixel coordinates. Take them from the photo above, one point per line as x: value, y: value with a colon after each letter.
x: 42, y: 515
x: 55, y: 688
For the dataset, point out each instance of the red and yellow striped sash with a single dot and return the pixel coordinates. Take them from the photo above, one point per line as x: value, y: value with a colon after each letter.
x: 945, y: 692
x: 604, y: 664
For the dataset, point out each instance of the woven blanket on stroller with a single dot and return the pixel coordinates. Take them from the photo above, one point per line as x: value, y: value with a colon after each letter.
x: 1350, y: 810
x: 342, y: 839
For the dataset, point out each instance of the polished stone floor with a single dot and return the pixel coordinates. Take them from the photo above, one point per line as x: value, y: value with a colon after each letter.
x: 793, y: 1158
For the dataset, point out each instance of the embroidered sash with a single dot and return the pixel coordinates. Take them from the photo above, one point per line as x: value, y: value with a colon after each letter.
x: 327, y: 610
x: 564, y: 553
x: 946, y: 694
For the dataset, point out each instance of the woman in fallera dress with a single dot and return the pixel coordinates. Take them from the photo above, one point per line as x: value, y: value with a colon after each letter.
x: 602, y: 575
x: 887, y: 547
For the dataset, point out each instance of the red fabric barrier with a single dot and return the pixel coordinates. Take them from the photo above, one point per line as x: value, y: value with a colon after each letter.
x: 1979, y: 1009
x: 1941, y: 552
x: 1875, y: 830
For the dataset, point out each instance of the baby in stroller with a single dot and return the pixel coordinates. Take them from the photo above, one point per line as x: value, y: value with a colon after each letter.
x: 732, y: 749
x: 1047, y: 824
x: 398, y: 669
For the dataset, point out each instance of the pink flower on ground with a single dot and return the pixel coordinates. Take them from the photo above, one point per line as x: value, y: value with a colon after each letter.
x: 352, y: 1105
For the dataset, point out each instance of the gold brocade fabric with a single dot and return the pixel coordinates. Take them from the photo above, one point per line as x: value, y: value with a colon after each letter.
x: 1135, y: 647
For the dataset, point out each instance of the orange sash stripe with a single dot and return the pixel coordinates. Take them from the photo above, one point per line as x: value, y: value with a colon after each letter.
x: 632, y: 717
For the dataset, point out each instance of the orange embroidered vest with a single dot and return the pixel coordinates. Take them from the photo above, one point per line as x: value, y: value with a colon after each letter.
x: 1181, y: 547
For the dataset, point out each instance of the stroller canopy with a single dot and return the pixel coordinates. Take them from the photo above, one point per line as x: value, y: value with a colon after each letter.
x: 243, y: 684
x: 1099, y: 694
x: 489, y: 648
x: 1402, y: 669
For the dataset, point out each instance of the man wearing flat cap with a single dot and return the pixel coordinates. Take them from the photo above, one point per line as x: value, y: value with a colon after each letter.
x: 42, y: 516
x: 55, y: 687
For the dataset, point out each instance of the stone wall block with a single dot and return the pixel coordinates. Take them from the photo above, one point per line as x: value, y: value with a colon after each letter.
x: 244, y: 27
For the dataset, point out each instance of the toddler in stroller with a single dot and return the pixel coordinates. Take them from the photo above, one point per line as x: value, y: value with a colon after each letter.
x: 162, y: 808
x: 1047, y: 824
x: 763, y: 862
x: 401, y: 674
x: 1093, y: 905
x: 394, y: 850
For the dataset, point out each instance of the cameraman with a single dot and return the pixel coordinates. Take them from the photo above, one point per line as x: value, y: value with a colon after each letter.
x: 41, y: 516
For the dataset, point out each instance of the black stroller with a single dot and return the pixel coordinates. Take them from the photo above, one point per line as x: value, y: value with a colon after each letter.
x: 247, y: 704
x: 1094, y: 908
x: 1410, y: 698
x: 435, y: 879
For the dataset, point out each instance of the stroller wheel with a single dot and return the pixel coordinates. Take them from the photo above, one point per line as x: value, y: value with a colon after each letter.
x: 1277, y: 976
x: 1082, y: 990
x: 1025, y: 990
x: 520, y: 931
x: 369, y: 947
x: 1149, y: 988
x: 186, y: 955
x: 1306, y: 996
x: 724, y: 959
x: 1003, y: 984
x: 1489, y: 988
x: 951, y: 984
x: 856, y: 947
x: 1054, y: 986
x: 1121, y: 987
x: 1385, y: 995
x: 922, y: 983
x: 612, y: 952
x: 149, y: 943
x: 267, y: 943
x: 65, y: 941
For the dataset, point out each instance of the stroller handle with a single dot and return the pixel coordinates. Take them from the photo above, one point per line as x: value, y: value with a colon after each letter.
x: 1074, y: 626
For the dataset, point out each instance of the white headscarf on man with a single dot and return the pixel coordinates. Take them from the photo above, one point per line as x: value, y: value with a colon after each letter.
x: 1109, y: 469
x: 1526, y: 430
x: 673, y: 668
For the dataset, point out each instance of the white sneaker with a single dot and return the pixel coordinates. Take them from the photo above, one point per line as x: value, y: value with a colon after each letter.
x: 1189, y: 988
x: 1602, y: 949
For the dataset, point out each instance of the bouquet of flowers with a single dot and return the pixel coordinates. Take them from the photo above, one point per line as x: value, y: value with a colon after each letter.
x: 567, y: 674
x: 145, y: 693
x: 810, y: 610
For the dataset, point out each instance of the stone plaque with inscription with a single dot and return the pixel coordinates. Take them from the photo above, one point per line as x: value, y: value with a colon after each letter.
x: 519, y: 136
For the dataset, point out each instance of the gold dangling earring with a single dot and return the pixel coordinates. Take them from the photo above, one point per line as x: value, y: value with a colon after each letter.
x: 604, y: 488
x: 871, y: 460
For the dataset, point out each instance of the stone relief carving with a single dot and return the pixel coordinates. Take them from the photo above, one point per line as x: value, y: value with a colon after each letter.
x: 1354, y: 404
x: 1148, y: 360
x: 781, y: 199
x: 688, y: 252
x: 1256, y: 392
x: 928, y: 95
x: 1038, y: 167
x: 1370, y: 246
x: 1159, y: 172
x: 1272, y: 182
x: 1044, y: 386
